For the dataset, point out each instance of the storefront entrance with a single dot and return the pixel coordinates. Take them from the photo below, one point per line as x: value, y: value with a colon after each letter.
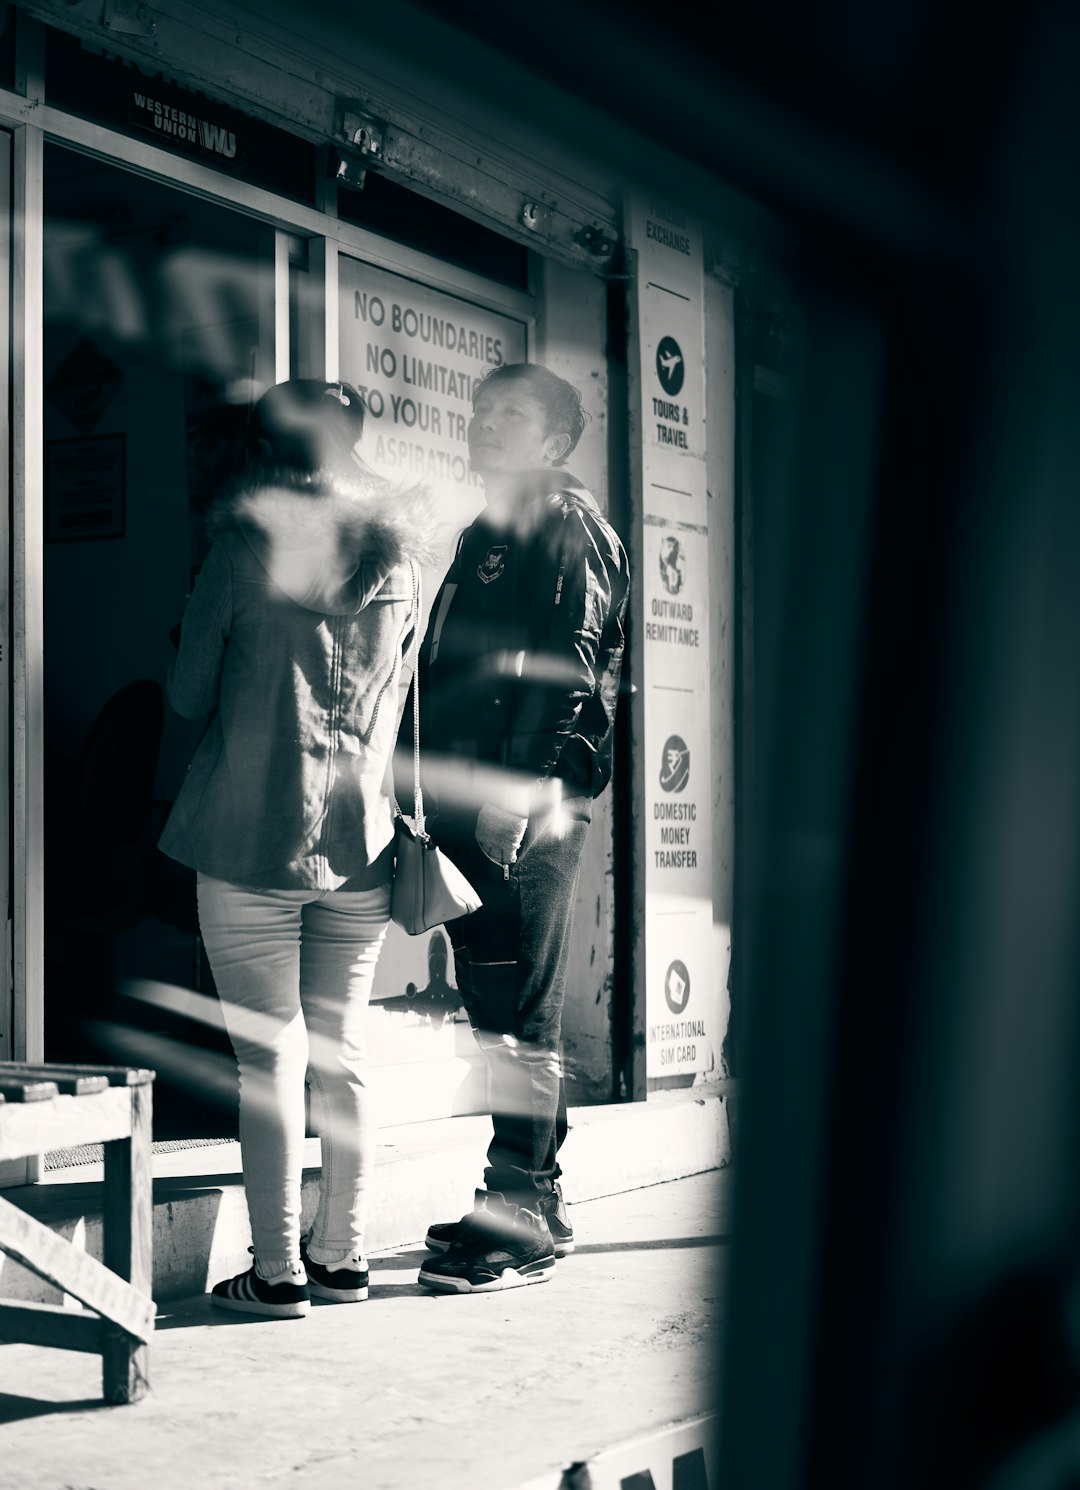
x: 172, y: 255
x: 165, y: 317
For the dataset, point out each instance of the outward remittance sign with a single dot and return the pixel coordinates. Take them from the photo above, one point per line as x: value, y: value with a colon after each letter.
x: 681, y: 1013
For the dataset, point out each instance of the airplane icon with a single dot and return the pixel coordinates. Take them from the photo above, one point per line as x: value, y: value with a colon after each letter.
x: 438, y: 1001
x: 669, y: 361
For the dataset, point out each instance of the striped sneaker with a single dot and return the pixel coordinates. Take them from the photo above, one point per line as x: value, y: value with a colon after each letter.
x: 344, y: 1282
x: 283, y: 1297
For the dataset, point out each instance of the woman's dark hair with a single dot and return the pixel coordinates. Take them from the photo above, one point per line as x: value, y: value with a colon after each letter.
x: 296, y: 420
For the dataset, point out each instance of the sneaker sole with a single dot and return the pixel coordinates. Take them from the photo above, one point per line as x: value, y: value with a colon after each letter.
x: 508, y: 1278
x: 267, y: 1311
x: 433, y: 1244
x: 337, y: 1295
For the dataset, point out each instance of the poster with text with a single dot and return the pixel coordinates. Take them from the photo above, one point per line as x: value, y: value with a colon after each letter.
x: 681, y: 1009
x: 416, y: 354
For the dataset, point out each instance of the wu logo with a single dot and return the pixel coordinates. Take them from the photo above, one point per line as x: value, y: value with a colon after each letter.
x: 216, y: 139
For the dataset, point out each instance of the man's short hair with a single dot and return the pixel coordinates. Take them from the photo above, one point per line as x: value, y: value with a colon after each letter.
x: 560, y: 400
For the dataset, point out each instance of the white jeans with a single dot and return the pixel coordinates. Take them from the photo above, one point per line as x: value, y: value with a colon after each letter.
x: 293, y: 970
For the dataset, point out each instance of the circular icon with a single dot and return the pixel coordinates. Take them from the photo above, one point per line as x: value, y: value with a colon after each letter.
x: 670, y: 367
x: 672, y: 564
x: 675, y: 766
x: 677, y: 987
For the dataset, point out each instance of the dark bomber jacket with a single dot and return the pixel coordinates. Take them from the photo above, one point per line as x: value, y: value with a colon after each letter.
x: 521, y: 662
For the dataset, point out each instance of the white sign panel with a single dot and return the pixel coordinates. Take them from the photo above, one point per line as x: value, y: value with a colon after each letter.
x: 681, y: 1013
x: 417, y: 353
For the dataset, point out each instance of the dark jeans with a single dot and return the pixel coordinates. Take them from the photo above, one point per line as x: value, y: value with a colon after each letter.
x: 510, y: 959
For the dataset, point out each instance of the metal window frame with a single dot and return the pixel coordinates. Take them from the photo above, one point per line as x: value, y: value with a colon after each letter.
x: 7, y: 992
x: 28, y: 814
x: 59, y: 127
x: 298, y: 79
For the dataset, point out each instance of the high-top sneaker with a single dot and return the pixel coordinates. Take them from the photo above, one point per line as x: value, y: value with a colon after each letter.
x: 553, y: 1210
x: 443, y: 1234
x: 500, y: 1245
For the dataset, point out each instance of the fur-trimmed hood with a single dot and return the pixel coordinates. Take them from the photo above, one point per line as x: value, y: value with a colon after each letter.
x: 328, y: 542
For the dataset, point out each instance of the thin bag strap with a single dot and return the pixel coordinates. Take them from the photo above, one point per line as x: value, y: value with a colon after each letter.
x: 414, y: 684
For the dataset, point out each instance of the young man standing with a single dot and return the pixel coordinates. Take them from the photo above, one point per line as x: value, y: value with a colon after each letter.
x: 518, y: 681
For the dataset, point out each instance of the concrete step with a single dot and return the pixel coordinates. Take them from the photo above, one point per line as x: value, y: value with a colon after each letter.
x: 424, y: 1172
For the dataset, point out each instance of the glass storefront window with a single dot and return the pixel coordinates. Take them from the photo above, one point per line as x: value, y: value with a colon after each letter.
x: 156, y: 342
x: 416, y: 353
x: 395, y: 212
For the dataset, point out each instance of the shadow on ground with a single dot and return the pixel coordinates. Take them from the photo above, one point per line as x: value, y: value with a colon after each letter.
x: 14, y: 1409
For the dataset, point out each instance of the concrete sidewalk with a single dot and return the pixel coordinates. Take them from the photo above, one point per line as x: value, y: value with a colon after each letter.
x: 411, y: 1389
x: 423, y: 1171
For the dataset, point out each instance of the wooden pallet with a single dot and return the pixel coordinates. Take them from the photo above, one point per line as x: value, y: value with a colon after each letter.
x: 58, y: 1106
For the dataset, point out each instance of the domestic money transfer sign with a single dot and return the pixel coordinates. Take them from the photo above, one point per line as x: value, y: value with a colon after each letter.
x: 681, y: 1009
x: 417, y: 354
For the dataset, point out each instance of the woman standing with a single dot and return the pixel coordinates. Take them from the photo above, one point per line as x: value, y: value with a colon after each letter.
x: 292, y: 644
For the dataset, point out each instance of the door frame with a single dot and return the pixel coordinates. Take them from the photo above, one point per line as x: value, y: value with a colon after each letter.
x: 7, y: 982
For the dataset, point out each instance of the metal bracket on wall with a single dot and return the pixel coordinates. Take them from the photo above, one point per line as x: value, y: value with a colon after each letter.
x: 364, y: 139
x: 363, y: 133
x: 129, y: 17
x: 594, y: 240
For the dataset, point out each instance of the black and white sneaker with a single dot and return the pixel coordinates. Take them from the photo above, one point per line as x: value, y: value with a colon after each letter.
x: 283, y: 1297
x: 344, y: 1282
x: 443, y: 1234
x: 500, y: 1245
